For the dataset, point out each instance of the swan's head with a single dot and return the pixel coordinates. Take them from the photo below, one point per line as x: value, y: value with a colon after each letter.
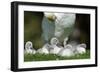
x: 54, y: 41
x: 68, y: 46
x: 28, y: 45
x: 50, y: 16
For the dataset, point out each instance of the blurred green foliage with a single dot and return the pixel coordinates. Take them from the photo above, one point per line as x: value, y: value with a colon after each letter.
x: 32, y: 28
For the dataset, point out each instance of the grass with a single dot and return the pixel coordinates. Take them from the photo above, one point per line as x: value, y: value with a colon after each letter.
x: 48, y: 57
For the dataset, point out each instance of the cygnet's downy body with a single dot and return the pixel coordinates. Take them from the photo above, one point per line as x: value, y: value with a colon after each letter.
x: 55, y: 49
x: 44, y: 49
x: 81, y: 48
x: 66, y: 51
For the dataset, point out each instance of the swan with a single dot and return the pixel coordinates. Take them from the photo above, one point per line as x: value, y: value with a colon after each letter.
x: 54, y: 41
x: 81, y: 48
x: 58, y: 25
x: 44, y: 49
x: 29, y: 48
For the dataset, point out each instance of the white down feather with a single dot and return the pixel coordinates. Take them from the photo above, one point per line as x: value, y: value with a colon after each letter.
x: 29, y: 48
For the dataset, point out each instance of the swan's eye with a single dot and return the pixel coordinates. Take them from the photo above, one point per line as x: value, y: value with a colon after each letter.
x: 55, y: 40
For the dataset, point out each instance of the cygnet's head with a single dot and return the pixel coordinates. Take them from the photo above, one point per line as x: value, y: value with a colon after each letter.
x: 82, y: 45
x: 54, y: 41
x: 47, y: 46
x: 28, y: 45
x: 68, y: 46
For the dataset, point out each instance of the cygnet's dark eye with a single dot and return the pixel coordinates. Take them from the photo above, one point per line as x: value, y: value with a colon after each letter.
x: 47, y: 45
x: 54, y: 41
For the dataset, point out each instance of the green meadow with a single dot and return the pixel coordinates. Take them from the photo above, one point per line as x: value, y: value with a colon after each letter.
x: 49, y: 57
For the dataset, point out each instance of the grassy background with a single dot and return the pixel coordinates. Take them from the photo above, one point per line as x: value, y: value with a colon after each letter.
x: 48, y: 57
x: 32, y: 28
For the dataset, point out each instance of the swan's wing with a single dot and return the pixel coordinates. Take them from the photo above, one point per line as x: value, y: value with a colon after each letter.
x: 65, y: 19
x: 64, y: 25
x: 48, y: 28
